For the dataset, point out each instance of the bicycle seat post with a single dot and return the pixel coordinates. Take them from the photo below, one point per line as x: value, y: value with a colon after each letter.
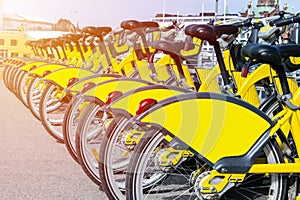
x: 210, y: 34
x: 225, y: 75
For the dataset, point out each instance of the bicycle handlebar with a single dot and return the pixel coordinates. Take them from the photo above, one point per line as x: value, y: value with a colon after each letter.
x: 283, y: 22
x: 245, y: 23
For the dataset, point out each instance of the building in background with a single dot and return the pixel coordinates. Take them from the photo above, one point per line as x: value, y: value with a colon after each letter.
x: 12, y: 44
x: 16, y: 29
x: 265, y: 8
x: 20, y: 22
x: 14, y: 33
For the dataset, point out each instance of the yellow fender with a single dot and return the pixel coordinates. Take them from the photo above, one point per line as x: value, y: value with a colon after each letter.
x: 27, y: 66
x: 78, y: 86
x: 129, y: 101
x: 213, y: 126
x: 100, y: 92
x: 31, y: 61
x: 263, y: 71
x: 62, y: 76
x: 39, y: 71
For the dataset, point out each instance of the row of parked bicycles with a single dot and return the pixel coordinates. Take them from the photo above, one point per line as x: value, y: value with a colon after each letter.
x: 145, y: 121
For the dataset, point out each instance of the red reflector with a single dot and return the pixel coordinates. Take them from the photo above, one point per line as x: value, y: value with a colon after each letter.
x: 113, y: 96
x: 33, y: 67
x: 145, y: 105
x: 46, y: 73
x: 245, y: 72
x: 72, y: 81
x: 88, y: 86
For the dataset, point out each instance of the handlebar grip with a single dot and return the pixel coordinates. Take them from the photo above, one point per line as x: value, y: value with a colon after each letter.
x: 297, y: 18
x: 245, y: 23
x: 284, y: 22
x: 281, y: 22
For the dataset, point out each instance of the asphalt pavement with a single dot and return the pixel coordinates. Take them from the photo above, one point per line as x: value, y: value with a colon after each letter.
x: 32, y: 164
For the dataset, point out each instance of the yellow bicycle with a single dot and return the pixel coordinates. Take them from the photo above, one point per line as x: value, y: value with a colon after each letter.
x: 211, y: 146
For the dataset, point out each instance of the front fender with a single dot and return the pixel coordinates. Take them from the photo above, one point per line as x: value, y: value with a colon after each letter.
x: 212, y: 125
x: 263, y: 71
x: 126, y: 64
x: 209, y: 79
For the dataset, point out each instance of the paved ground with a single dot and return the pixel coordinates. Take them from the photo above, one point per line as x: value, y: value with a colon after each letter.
x: 32, y: 164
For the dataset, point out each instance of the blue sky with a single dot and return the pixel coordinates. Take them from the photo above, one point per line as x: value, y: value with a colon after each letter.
x: 112, y: 12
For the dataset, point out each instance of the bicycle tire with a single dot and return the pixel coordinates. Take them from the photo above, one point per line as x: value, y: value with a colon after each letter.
x: 150, y: 146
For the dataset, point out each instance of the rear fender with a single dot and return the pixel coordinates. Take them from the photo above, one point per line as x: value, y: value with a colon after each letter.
x: 215, y: 127
x: 61, y: 77
x: 96, y: 78
x: 28, y: 66
x: 100, y: 92
x: 128, y: 103
x: 39, y: 71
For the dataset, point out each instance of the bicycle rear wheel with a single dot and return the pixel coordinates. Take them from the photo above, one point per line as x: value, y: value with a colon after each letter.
x: 33, y: 96
x: 115, y: 156
x: 142, y: 181
x: 71, y: 119
x: 52, y: 108
x: 89, y: 134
